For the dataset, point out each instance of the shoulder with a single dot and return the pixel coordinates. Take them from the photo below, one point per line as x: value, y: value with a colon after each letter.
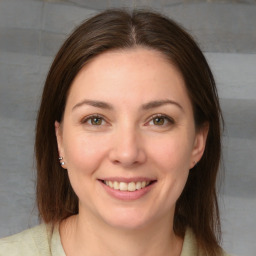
x: 190, y: 246
x: 34, y: 241
x: 226, y: 254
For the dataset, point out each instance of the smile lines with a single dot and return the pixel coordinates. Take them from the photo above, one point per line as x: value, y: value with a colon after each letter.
x: 123, y: 186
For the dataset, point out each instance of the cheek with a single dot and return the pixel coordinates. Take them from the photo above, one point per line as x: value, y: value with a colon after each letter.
x: 172, y: 158
x: 172, y: 161
x: 172, y: 153
x: 84, y: 153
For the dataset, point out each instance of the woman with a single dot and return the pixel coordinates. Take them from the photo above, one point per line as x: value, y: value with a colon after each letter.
x: 127, y: 144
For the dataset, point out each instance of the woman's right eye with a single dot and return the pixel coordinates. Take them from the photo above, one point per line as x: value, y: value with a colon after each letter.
x: 94, y: 120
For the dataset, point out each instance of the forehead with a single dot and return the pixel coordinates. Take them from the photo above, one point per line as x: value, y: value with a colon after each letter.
x: 137, y: 72
x: 139, y: 54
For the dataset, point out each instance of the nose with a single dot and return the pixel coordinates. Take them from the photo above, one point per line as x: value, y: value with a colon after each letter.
x: 127, y: 149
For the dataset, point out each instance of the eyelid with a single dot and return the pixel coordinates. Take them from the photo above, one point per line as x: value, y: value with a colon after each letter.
x: 159, y: 115
x: 91, y: 116
x: 168, y: 118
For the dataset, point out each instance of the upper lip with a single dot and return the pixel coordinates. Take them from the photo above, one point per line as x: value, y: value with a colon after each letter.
x: 127, y: 180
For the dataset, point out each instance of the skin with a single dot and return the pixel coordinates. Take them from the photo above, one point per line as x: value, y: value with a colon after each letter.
x: 129, y: 138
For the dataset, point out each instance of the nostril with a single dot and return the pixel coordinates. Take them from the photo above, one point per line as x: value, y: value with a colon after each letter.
x: 127, y: 154
x: 116, y: 162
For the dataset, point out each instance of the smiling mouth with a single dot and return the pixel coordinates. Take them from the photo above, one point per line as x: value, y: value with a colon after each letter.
x: 130, y: 186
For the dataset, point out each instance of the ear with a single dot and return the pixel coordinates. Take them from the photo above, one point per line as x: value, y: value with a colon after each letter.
x: 58, y: 133
x: 199, y: 144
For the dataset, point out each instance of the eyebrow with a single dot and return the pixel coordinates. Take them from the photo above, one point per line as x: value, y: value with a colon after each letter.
x: 93, y: 103
x: 159, y: 103
x: 146, y: 106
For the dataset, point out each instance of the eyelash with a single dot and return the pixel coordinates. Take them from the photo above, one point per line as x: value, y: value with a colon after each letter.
x: 163, y: 116
x: 152, y: 118
x: 91, y: 117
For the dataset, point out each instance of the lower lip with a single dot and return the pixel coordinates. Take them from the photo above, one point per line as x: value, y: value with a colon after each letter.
x: 127, y: 195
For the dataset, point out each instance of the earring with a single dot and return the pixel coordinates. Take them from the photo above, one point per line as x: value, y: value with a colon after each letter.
x: 61, y: 162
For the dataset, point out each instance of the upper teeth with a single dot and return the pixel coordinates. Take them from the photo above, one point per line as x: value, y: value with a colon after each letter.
x: 123, y: 186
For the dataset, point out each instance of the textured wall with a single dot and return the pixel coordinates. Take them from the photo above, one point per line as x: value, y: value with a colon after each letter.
x: 31, y: 31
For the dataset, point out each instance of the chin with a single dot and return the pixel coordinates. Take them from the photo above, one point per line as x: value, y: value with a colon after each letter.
x: 128, y: 219
x: 128, y: 225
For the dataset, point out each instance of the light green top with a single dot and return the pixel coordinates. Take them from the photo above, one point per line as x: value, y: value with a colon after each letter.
x: 43, y: 240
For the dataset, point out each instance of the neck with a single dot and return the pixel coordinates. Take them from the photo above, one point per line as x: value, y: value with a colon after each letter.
x: 81, y: 235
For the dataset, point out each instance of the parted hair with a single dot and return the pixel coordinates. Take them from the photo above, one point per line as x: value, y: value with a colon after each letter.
x: 197, y: 207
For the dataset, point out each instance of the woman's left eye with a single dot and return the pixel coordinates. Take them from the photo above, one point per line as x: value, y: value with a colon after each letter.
x: 160, y: 120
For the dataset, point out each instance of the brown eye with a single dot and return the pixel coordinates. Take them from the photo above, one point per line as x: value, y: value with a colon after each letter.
x: 159, y: 120
x: 96, y: 120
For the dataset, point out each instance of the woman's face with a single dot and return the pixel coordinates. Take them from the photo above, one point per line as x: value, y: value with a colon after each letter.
x: 128, y: 138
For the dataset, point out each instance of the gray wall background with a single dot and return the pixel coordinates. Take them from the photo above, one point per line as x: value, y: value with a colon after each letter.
x: 31, y: 31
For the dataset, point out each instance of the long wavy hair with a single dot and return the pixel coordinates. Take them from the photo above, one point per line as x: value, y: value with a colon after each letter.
x: 197, y: 206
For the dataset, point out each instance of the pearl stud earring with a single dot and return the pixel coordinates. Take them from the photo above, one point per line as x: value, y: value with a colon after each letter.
x: 61, y: 162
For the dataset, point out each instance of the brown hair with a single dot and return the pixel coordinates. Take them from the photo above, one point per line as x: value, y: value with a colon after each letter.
x: 197, y: 206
